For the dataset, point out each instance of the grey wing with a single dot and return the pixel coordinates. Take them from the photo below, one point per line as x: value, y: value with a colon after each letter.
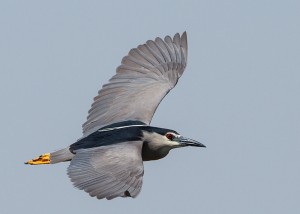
x: 109, y: 171
x: 145, y: 76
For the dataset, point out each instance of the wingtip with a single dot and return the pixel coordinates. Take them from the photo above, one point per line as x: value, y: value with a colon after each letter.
x: 183, y: 39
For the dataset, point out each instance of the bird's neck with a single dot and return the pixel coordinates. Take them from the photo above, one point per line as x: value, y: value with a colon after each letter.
x: 155, y: 146
x: 151, y: 151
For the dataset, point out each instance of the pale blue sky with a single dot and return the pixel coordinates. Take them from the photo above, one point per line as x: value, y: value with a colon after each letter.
x: 239, y: 96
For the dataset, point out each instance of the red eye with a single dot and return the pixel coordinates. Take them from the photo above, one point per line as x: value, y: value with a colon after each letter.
x: 169, y: 136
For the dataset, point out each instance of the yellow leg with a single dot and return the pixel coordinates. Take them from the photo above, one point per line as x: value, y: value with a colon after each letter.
x: 42, y: 159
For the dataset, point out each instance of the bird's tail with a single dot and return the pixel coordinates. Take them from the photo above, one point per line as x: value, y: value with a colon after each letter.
x: 58, y: 156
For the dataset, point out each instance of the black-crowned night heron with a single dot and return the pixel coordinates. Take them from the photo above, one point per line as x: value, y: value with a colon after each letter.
x: 107, y: 162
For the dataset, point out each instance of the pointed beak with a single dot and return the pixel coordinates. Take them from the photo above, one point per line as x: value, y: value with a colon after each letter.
x: 189, y: 142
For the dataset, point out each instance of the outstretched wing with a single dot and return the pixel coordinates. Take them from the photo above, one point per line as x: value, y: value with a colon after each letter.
x: 109, y: 171
x: 145, y: 76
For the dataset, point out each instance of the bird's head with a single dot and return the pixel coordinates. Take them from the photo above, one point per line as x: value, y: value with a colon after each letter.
x: 169, y: 138
x: 179, y: 141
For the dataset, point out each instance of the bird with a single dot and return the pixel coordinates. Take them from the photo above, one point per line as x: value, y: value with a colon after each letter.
x: 107, y: 161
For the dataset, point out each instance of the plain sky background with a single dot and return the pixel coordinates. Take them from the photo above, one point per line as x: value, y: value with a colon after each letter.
x: 239, y: 96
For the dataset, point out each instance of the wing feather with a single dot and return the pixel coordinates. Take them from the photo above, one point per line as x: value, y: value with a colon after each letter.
x: 143, y: 79
x: 108, y: 171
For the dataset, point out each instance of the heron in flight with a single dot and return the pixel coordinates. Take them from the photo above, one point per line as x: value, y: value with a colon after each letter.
x: 107, y: 162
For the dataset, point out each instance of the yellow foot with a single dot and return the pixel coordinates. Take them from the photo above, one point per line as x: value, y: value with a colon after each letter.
x: 42, y: 159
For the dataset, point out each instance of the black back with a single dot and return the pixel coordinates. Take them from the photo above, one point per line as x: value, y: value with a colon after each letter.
x: 116, y: 133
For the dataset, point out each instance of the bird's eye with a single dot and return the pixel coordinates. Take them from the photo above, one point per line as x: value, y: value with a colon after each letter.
x: 170, y: 136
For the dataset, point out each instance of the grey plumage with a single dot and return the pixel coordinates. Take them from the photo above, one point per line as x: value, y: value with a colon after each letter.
x: 150, y: 70
x: 105, y: 172
x: 107, y: 162
x: 61, y: 156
